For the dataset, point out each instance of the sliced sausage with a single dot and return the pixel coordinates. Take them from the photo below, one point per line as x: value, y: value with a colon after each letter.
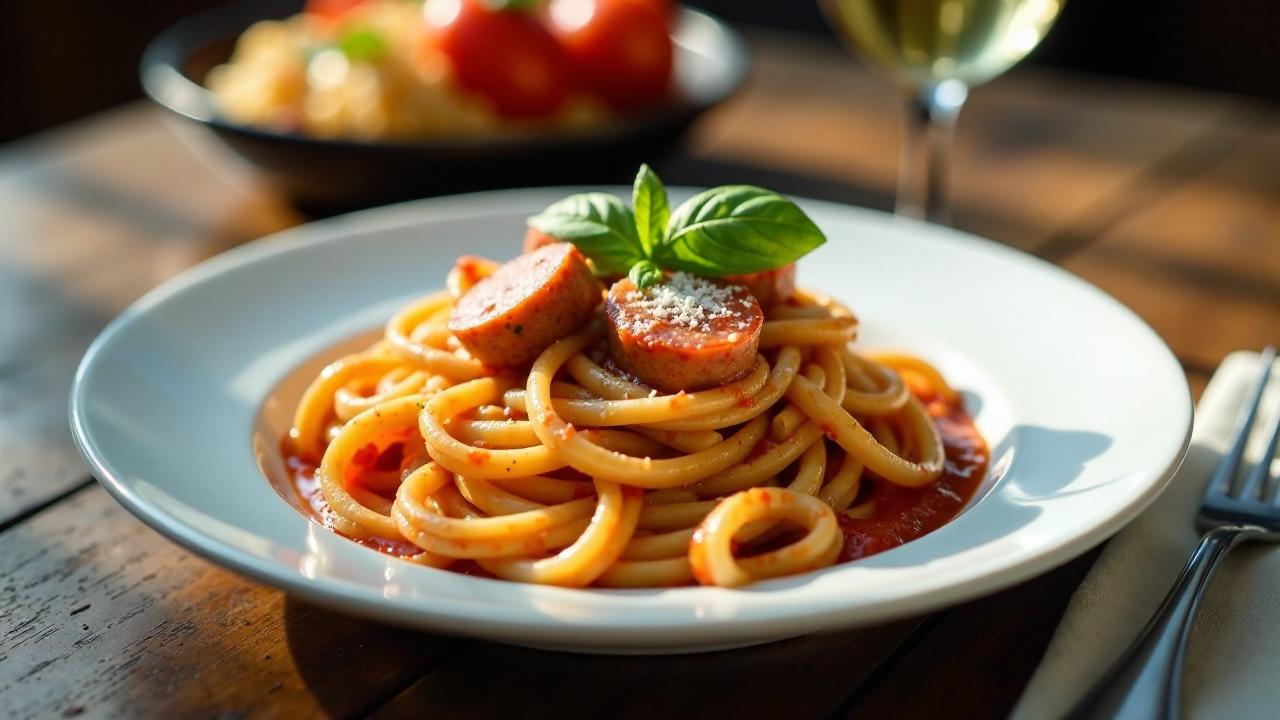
x: 770, y: 287
x: 534, y: 239
x: 467, y: 271
x: 506, y: 319
x: 686, y: 333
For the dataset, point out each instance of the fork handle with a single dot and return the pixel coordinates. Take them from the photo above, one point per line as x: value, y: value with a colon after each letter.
x: 1146, y: 681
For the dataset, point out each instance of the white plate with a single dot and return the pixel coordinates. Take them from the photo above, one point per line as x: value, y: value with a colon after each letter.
x: 1086, y: 411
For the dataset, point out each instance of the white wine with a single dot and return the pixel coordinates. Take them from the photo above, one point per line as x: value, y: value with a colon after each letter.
x: 936, y: 50
x: 922, y: 42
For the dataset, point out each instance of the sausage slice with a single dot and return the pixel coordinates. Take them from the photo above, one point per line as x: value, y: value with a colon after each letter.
x: 534, y: 239
x: 686, y: 333
x: 506, y: 319
x: 770, y: 287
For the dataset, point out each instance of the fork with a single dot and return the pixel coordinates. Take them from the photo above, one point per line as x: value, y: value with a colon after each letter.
x: 1146, y: 681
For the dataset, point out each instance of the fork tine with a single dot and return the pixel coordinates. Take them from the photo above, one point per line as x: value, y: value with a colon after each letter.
x: 1257, y: 481
x: 1258, y: 476
x: 1224, y: 478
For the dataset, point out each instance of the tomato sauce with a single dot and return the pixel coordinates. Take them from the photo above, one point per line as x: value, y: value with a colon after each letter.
x: 903, y: 514
x: 900, y: 514
x: 304, y: 480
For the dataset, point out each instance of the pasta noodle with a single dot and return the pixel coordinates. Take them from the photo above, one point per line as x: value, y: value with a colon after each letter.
x: 289, y: 75
x: 571, y: 474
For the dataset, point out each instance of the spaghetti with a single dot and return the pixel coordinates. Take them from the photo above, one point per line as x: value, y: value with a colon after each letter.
x: 571, y: 473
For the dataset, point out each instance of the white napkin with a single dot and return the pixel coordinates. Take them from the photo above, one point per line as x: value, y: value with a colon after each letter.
x: 1233, y: 660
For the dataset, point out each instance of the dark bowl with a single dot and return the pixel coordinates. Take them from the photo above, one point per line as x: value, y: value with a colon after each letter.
x: 326, y: 175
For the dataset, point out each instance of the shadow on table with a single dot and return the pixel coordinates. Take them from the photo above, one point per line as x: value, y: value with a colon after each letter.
x: 797, y: 678
x: 351, y: 665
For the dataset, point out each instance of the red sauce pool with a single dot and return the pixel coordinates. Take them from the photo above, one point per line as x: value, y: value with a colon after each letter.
x: 304, y: 481
x: 900, y: 516
x: 903, y: 514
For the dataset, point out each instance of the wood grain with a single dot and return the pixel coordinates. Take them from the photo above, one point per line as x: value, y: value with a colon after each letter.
x: 1035, y: 153
x: 96, y: 214
x: 91, y: 217
x: 803, y: 677
x: 39, y: 460
x: 1220, y: 228
x: 979, y: 655
x: 1202, y: 263
x: 997, y: 641
x: 101, y: 617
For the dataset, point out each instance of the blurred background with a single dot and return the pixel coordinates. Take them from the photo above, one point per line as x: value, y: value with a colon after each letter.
x: 74, y: 57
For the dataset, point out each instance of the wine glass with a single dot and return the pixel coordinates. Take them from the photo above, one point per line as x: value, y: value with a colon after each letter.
x: 935, y: 50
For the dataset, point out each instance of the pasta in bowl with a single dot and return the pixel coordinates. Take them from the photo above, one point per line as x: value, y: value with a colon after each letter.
x: 703, y: 421
x: 366, y: 110
x: 401, y: 69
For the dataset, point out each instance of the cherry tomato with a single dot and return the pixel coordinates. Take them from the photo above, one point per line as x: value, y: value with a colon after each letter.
x: 506, y: 55
x: 331, y: 9
x: 666, y: 7
x: 620, y: 49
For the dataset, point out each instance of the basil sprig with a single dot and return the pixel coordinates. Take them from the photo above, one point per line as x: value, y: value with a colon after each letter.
x: 729, y: 230
x: 649, y: 200
x: 602, y: 227
x: 363, y: 44
x: 645, y: 273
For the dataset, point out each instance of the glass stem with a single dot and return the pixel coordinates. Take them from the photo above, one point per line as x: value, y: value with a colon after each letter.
x: 931, y: 113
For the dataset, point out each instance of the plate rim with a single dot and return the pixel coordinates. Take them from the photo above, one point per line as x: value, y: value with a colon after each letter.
x: 762, y: 622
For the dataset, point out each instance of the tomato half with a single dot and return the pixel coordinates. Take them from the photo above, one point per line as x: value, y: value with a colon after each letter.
x: 506, y: 55
x: 620, y: 50
x: 331, y: 9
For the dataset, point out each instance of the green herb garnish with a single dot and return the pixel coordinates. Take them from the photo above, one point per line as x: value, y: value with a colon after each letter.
x: 512, y: 5
x: 649, y: 201
x: 645, y: 273
x: 729, y: 230
x: 602, y: 227
x: 363, y: 44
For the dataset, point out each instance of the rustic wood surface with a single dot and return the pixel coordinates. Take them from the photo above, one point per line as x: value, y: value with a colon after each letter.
x: 1166, y: 198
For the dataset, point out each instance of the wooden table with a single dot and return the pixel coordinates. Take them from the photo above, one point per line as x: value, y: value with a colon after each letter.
x: 1166, y: 198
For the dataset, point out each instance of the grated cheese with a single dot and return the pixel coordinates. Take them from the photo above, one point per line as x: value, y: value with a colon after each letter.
x: 684, y: 300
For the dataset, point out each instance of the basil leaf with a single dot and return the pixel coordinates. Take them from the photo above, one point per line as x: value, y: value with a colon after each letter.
x: 649, y: 199
x: 645, y: 274
x: 737, y: 229
x: 599, y: 224
x: 363, y: 44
